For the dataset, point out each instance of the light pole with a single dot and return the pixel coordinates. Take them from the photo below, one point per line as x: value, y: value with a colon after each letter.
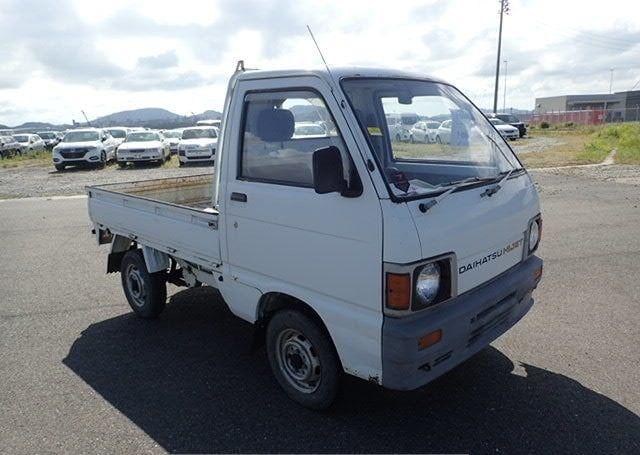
x: 611, y: 81
x: 504, y: 8
x: 504, y: 96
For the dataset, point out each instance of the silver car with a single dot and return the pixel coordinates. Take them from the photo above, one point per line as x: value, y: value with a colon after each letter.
x: 29, y: 143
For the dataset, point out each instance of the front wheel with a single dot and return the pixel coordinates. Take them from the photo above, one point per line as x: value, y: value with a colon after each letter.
x: 146, y: 292
x: 303, y: 359
x: 60, y: 167
x: 103, y: 160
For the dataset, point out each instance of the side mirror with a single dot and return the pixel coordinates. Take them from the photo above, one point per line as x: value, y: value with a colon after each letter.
x: 328, y: 175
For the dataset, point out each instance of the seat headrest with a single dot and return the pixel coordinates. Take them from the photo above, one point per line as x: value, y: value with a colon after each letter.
x: 275, y: 125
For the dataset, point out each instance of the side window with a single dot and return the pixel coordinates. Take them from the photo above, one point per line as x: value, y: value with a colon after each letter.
x: 281, y: 131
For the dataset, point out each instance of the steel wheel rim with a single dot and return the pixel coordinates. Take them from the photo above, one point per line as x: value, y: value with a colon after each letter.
x: 135, y: 285
x: 298, y: 361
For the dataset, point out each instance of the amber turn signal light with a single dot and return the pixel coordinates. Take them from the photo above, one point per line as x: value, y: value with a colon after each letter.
x: 429, y: 339
x: 398, y: 291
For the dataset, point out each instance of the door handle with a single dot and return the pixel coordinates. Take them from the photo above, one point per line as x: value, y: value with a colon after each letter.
x: 240, y: 197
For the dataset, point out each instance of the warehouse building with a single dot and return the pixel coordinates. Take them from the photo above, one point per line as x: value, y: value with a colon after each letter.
x: 620, y: 106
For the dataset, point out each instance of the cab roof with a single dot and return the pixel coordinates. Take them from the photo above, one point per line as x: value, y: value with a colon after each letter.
x: 338, y: 73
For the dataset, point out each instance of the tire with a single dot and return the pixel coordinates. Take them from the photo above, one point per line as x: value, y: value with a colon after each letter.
x: 146, y: 292
x: 303, y: 359
x: 122, y: 164
x: 103, y: 160
x: 60, y: 167
x: 181, y: 164
x: 438, y: 140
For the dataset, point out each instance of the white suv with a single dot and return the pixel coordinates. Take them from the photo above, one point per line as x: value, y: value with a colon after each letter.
x: 92, y: 146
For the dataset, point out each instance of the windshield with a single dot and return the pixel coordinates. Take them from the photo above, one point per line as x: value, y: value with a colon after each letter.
x: 81, y: 136
x: 175, y: 134
x: 120, y: 134
x: 199, y: 133
x: 464, y: 147
x: 496, y: 121
x: 22, y: 138
x: 47, y: 135
x: 143, y: 136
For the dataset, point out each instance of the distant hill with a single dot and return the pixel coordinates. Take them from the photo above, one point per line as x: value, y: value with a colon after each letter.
x: 135, y: 117
x: 209, y: 115
x: 304, y: 113
x: 151, y: 117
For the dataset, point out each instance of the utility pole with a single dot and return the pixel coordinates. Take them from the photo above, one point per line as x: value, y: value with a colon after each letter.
x: 611, y: 82
x: 504, y: 8
x: 504, y: 97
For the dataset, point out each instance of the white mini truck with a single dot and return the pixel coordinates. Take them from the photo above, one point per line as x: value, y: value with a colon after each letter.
x: 349, y: 251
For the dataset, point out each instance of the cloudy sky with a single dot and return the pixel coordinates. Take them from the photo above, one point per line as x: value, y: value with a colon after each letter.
x: 60, y: 56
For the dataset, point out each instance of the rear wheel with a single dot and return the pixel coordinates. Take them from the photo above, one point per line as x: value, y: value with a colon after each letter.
x: 303, y: 359
x: 146, y: 292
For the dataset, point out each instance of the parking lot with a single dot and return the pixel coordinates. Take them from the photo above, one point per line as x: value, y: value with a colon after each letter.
x: 79, y: 373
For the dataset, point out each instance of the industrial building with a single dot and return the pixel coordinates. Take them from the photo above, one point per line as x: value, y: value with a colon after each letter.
x: 619, y: 106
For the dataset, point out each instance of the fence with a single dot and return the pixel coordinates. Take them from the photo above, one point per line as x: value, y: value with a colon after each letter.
x: 586, y: 117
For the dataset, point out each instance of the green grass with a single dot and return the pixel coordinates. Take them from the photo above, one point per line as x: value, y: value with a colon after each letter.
x: 37, y: 159
x: 625, y: 138
x: 586, y: 144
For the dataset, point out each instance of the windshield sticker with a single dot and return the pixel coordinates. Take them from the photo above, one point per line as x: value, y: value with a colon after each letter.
x: 374, y: 131
x: 489, y: 257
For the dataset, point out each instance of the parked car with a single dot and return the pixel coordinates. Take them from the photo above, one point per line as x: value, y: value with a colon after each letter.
x: 507, y: 131
x: 424, y: 131
x: 50, y: 138
x: 143, y: 146
x: 443, y: 133
x: 197, y: 145
x: 173, y: 138
x: 85, y: 146
x: 9, y: 147
x: 341, y: 262
x: 309, y: 130
x: 119, y: 134
x: 29, y: 143
x: 513, y: 121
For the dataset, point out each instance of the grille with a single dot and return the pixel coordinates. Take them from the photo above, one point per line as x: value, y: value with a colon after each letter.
x: 490, y: 318
x: 71, y: 154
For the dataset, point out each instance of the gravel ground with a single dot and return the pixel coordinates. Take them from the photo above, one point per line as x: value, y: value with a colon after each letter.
x: 29, y: 181
x: 618, y: 173
x: 534, y: 144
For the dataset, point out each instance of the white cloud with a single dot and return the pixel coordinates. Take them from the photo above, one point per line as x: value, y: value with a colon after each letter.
x: 105, y: 57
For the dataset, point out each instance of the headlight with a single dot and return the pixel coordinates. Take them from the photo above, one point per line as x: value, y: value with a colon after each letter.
x: 428, y: 283
x: 534, y: 234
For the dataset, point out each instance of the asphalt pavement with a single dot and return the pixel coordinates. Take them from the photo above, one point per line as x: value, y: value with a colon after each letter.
x: 79, y: 373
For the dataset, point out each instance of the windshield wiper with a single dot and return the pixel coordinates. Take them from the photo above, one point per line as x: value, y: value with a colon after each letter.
x: 425, y: 206
x: 494, y: 189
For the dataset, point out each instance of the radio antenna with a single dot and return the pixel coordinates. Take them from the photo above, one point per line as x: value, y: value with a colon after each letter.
x: 319, y: 51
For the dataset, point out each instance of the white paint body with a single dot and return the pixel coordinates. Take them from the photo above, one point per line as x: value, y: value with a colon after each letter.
x: 326, y: 250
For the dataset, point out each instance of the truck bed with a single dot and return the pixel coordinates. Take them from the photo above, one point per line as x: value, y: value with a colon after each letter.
x: 173, y: 215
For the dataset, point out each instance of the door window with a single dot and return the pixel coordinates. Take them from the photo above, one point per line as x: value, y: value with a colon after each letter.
x: 281, y: 130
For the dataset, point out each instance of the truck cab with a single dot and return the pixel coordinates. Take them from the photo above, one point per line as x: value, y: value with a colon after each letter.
x: 349, y: 251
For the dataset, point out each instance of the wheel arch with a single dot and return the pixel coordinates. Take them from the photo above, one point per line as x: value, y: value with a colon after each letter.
x: 272, y: 302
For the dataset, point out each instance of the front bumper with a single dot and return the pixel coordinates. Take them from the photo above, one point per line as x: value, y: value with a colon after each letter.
x: 468, y: 322
x: 186, y: 156
x: 150, y: 155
